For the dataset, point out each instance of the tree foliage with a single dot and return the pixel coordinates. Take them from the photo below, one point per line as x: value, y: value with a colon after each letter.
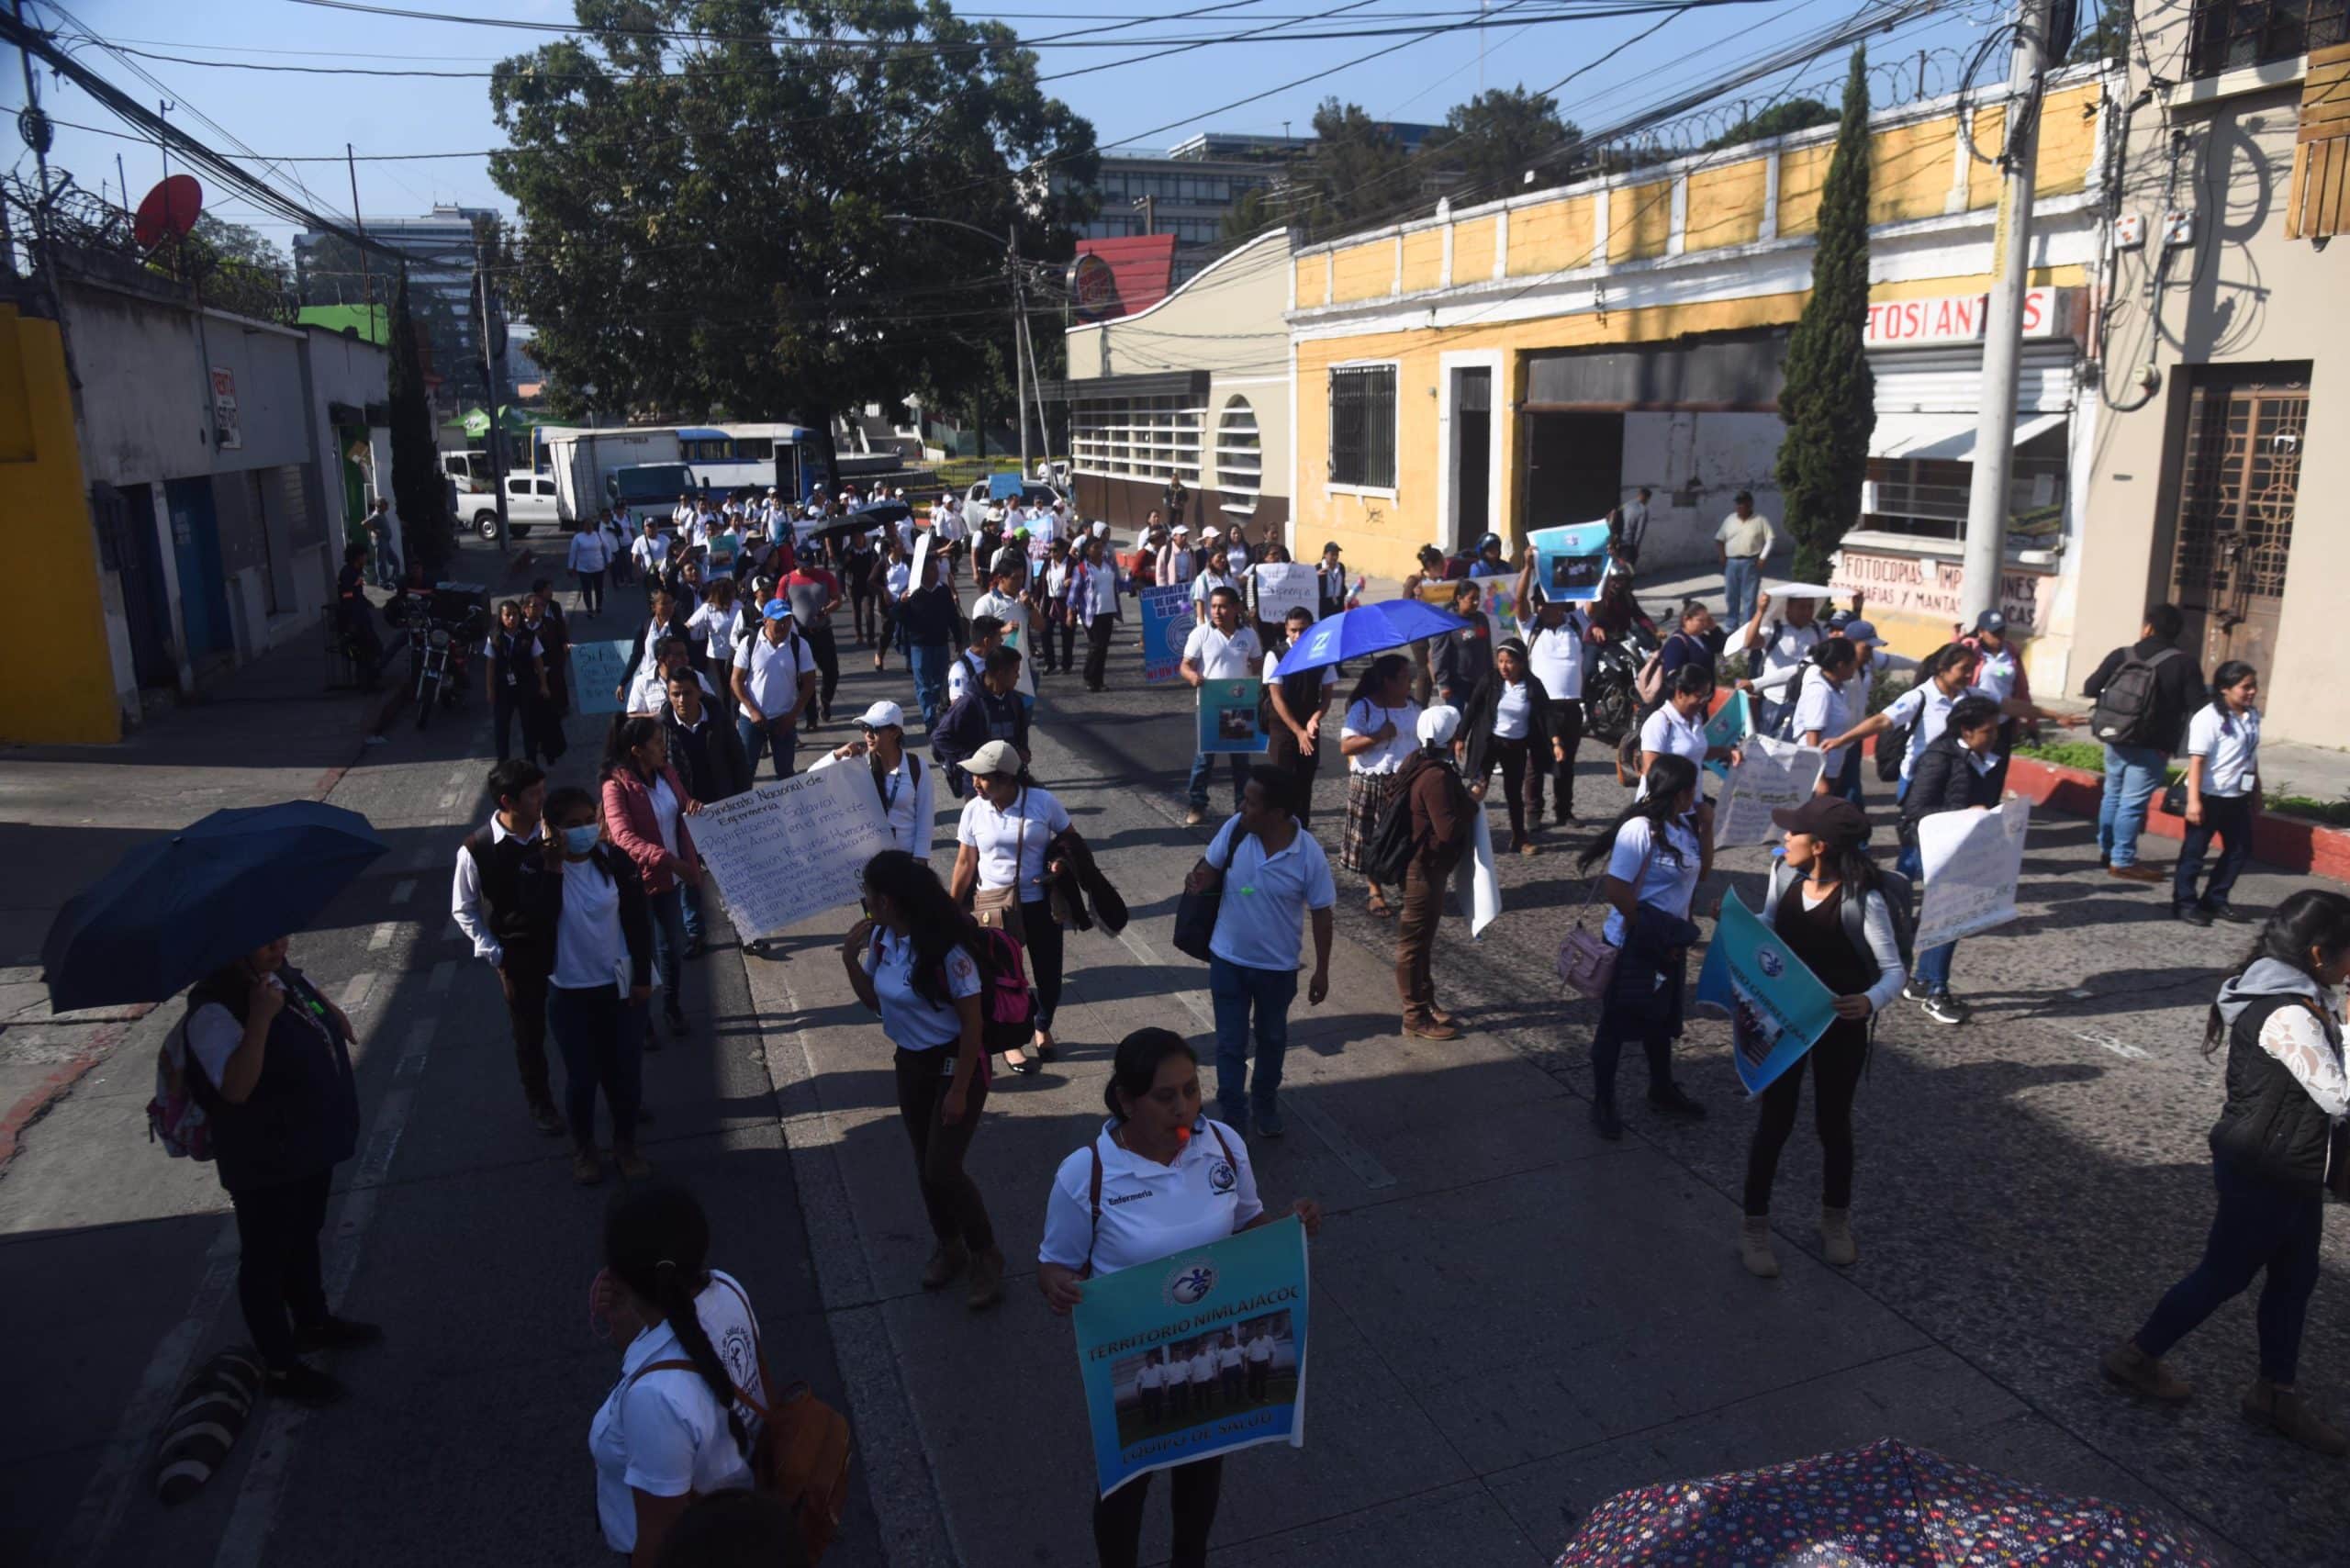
x: 1828, y: 402
x: 709, y: 223
x: 1779, y: 119
x: 418, y: 492
x: 1498, y: 138
x: 235, y: 268
x: 1352, y: 176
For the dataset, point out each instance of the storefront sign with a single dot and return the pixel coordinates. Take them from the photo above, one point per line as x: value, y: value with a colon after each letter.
x: 1928, y: 587
x: 1960, y: 318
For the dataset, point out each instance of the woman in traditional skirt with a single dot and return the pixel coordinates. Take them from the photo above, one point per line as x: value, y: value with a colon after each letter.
x: 1380, y: 731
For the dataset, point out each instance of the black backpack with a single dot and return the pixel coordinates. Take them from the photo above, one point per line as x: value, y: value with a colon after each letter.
x: 1387, y: 854
x: 1893, y: 744
x: 2126, y: 708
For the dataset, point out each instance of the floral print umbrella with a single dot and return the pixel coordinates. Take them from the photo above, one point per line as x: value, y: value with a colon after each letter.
x: 1885, y: 1506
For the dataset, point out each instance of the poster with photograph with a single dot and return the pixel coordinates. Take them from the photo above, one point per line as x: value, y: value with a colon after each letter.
x: 597, y: 671
x: 1776, y: 1006
x: 793, y: 847
x: 1571, y: 563
x: 1166, y: 621
x: 1973, y: 860
x: 1228, y: 716
x: 1198, y: 1354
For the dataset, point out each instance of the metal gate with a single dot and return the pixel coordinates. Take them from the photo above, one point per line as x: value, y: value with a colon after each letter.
x: 2234, y: 527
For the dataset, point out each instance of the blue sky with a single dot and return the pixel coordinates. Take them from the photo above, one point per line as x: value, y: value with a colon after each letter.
x: 285, y: 113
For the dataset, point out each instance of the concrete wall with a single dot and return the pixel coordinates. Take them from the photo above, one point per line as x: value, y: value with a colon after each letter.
x: 1695, y: 463
x: 2242, y: 294
x: 1227, y: 319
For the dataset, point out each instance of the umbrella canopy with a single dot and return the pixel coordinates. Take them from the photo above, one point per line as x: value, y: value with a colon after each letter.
x: 1372, y: 629
x: 1781, y: 592
x: 174, y: 910
x: 1885, y: 1506
x: 864, y: 520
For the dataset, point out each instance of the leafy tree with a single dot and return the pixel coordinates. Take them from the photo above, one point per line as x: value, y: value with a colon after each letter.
x: 417, y: 487
x: 1828, y: 402
x: 1499, y: 136
x: 1258, y: 208
x: 711, y: 223
x: 2109, y: 38
x: 1353, y: 175
x: 1779, y: 119
x: 235, y: 268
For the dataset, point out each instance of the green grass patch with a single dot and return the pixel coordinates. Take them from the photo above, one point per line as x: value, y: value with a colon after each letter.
x: 2333, y: 813
x: 2087, y: 756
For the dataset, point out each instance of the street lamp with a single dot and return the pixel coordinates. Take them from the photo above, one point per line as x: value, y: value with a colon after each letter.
x: 1024, y: 352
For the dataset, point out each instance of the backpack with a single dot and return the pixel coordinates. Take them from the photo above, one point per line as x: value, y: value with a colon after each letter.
x: 174, y: 1119
x: 1649, y: 682
x: 1900, y: 904
x: 2126, y: 708
x: 1893, y: 746
x: 1007, y: 1005
x: 1387, y: 854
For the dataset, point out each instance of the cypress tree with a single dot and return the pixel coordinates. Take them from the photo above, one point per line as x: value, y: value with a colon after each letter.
x: 1828, y: 402
x: 417, y: 490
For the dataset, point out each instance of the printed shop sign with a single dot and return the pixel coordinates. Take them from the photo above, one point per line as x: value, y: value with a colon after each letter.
x: 1195, y: 1355
x: 1776, y: 1006
x: 1963, y: 319
x: 1923, y: 586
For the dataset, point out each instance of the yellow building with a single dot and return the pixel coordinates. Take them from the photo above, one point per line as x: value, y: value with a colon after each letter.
x: 1536, y: 361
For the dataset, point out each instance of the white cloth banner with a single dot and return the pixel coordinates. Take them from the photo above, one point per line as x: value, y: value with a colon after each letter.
x: 1284, y: 585
x: 1973, y: 860
x: 793, y: 847
x: 1774, y: 775
x: 1476, y: 882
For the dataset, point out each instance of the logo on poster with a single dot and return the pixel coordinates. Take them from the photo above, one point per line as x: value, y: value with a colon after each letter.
x: 1191, y: 1284
x: 1769, y: 963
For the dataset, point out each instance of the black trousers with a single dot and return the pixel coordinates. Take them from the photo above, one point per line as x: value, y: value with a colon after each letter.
x: 1069, y: 639
x: 1117, y: 1518
x: 1097, y: 649
x: 528, y: 1009
x: 542, y: 731
x: 1280, y: 751
x: 1566, y: 728
x: 1835, y: 1061
x: 591, y: 591
x: 957, y: 1212
x: 280, y: 1282
x: 861, y: 601
x: 1521, y: 765
x: 825, y: 651
x: 1045, y: 961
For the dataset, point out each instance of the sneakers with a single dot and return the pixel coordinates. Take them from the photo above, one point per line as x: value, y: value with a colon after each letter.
x: 987, y: 1279
x: 337, y: 1334
x: 1914, y: 990
x: 304, y: 1385
x: 1605, y: 1122
x: 947, y: 1259
x: 2126, y: 1366
x: 2193, y: 913
x: 1944, y: 1008
x: 587, y: 1166
x: 1836, y: 1243
x: 1671, y: 1100
x: 544, y: 1117
x: 1755, y: 1246
x: 2282, y: 1411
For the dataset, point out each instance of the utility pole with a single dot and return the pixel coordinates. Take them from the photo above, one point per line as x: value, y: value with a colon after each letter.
x: 1019, y: 348
x: 489, y: 389
x: 366, y: 271
x: 1995, y: 425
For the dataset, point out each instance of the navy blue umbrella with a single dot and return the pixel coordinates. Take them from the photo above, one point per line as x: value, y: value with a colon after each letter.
x: 173, y: 911
x: 1371, y: 629
x: 866, y: 519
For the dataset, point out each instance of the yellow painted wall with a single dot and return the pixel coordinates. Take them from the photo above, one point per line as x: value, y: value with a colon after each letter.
x: 1726, y: 205
x: 1472, y: 251
x: 1364, y: 272
x: 1983, y: 179
x: 1640, y: 221
x: 1909, y: 170
x: 1554, y: 236
x: 1802, y: 171
x: 1423, y: 260
x: 2067, y: 141
x: 1313, y: 281
x: 62, y: 630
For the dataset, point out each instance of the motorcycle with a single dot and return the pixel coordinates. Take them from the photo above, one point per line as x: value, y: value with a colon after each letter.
x: 443, y: 626
x: 1611, y: 695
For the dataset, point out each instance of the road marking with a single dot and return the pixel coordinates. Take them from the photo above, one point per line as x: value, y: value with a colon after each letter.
x: 404, y: 890
x: 264, y: 1487
x: 384, y: 935
x: 2105, y: 1042
x: 355, y: 990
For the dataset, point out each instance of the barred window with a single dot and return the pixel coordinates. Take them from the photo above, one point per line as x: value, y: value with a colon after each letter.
x: 1137, y: 438
x: 1239, y: 458
x: 2230, y: 34
x: 1362, y: 426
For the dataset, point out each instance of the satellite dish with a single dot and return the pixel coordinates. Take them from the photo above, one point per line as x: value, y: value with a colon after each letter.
x: 168, y: 211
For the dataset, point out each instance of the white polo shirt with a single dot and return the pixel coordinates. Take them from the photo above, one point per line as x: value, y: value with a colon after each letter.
x: 1365, y: 717
x: 1826, y: 707
x: 1784, y: 651
x: 1024, y: 831
x: 911, y: 1023
x: 1665, y: 731
x: 772, y: 670
x: 665, y: 1434
x: 1222, y: 658
x: 1259, y: 921
x: 1555, y: 655
x: 2229, y: 745
x: 1666, y: 883
x: 1928, y: 711
x: 1149, y: 1211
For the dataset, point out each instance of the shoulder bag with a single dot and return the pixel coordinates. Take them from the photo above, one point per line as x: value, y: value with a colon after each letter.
x: 1586, y: 962
x: 1195, y: 912
x: 998, y: 909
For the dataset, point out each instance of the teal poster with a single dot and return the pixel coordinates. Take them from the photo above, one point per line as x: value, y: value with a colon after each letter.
x: 1571, y: 563
x: 1166, y: 621
x: 1195, y: 1355
x: 1731, y: 726
x: 1776, y: 1006
x: 1228, y: 716
x: 597, y: 671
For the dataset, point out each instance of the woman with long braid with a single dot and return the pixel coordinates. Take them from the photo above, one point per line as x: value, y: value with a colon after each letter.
x: 681, y: 1420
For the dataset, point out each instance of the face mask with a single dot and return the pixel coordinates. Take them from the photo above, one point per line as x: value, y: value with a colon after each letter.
x: 580, y: 840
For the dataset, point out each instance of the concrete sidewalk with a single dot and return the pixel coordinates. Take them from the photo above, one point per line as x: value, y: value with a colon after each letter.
x: 1514, y: 1320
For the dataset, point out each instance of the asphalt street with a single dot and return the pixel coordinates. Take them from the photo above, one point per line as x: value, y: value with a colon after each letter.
x: 1513, y: 1319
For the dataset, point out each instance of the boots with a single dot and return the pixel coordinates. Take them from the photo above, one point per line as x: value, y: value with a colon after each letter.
x: 2129, y: 1367
x: 986, y: 1278
x: 1755, y: 1246
x: 947, y: 1260
x: 2282, y: 1411
x: 1836, y: 1238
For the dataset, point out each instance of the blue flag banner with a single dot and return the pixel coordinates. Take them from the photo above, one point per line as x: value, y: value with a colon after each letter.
x: 1571, y: 563
x: 1166, y: 621
x: 1198, y: 1354
x: 1776, y: 1006
x: 597, y: 671
x: 1730, y: 724
x: 1228, y: 715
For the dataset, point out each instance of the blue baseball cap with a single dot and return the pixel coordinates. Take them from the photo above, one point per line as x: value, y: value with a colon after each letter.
x: 776, y: 609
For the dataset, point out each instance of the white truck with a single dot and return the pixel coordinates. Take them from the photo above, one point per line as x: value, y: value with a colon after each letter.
x: 595, y: 468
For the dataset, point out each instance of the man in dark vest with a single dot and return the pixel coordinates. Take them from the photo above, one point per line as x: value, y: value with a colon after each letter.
x: 486, y: 902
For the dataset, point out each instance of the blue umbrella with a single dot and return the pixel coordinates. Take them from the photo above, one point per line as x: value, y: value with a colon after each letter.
x: 1372, y: 629
x: 173, y: 911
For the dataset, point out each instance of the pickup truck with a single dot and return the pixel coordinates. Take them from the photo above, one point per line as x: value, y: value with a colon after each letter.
x: 530, y: 503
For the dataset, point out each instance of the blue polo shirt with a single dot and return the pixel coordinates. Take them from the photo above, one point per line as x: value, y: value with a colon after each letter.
x: 1260, y: 924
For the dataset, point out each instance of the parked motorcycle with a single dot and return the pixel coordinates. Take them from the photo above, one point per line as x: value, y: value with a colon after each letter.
x: 443, y: 627
x: 1611, y: 697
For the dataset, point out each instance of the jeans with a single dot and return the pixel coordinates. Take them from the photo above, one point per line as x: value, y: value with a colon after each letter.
x: 1932, y: 968
x: 2228, y: 816
x: 1194, y: 1491
x: 597, y: 1032
x: 669, y: 913
x: 2132, y: 774
x: 2258, y: 1225
x: 957, y: 1213
x: 1741, y: 578
x: 1204, y: 767
x: 278, y: 1271
x: 388, y: 564
x: 776, y: 735
x: 1835, y: 1062
x: 1240, y: 991
x: 929, y: 662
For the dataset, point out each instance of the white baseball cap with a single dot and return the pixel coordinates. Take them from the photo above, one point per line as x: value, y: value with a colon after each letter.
x: 883, y: 715
x: 1183, y: 527
x: 1210, y: 532
x: 1101, y: 530
x: 994, y: 760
